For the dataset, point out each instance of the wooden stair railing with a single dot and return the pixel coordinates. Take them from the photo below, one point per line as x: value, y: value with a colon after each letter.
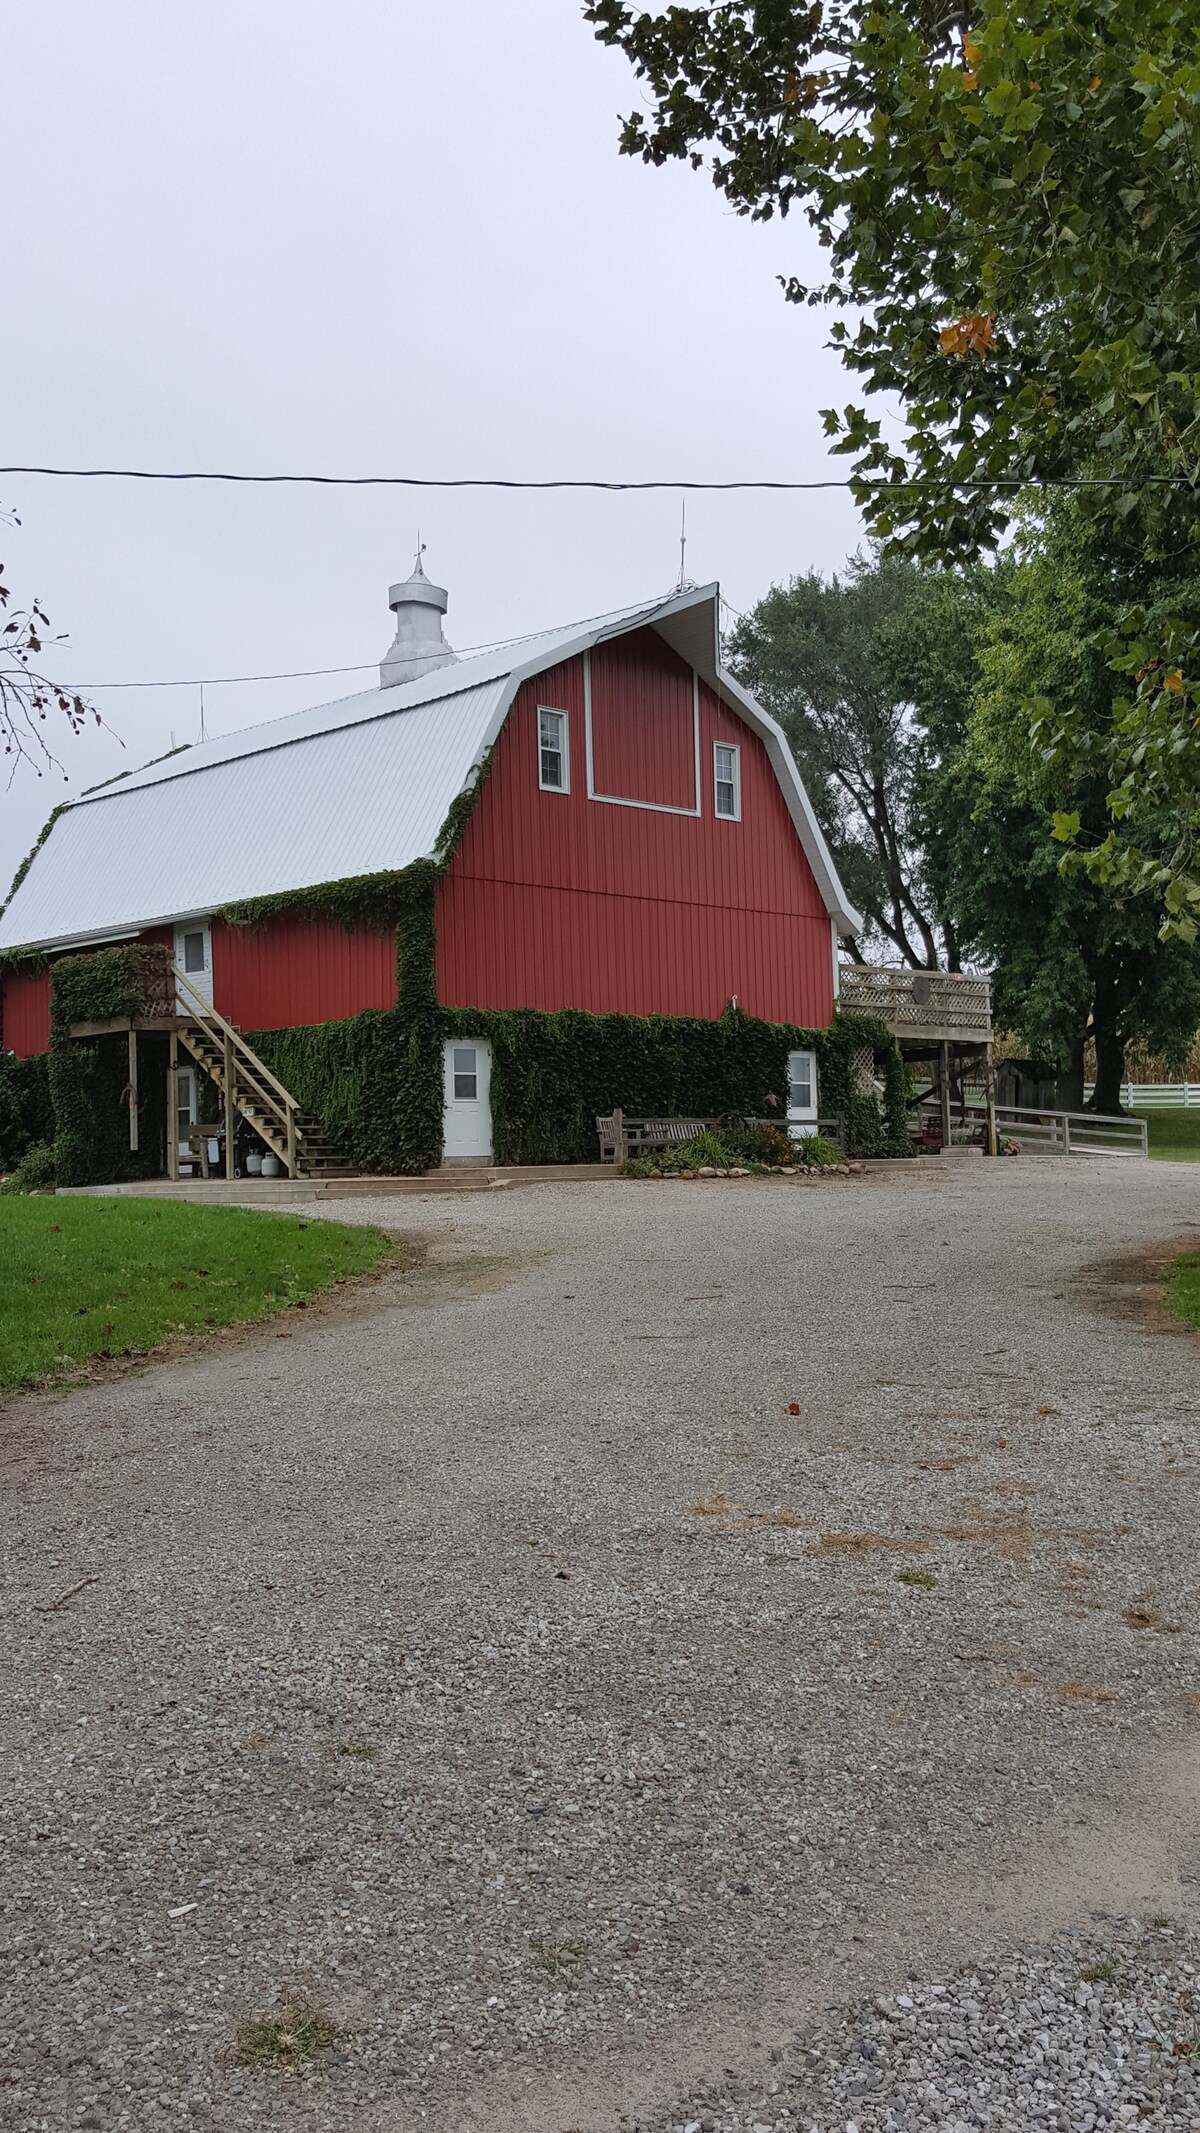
x: 249, y: 1086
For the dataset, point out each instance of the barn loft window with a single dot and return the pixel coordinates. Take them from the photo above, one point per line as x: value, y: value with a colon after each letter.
x: 554, y: 766
x: 727, y: 781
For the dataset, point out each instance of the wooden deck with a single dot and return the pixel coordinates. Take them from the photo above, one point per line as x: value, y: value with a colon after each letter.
x: 922, y: 1008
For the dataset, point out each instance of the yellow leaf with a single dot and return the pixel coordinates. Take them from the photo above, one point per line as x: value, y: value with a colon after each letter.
x: 1095, y: 82
x: 970, y: 81
x: 971, y: 51
x: 1174, y: 682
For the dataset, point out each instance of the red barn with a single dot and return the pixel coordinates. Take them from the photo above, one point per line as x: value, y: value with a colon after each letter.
x: 641, y: 841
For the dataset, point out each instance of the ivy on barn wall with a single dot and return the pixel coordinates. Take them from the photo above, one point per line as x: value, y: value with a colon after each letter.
x: 375, y: 1080
x: 89, y: 1077
x: 554, y: 1073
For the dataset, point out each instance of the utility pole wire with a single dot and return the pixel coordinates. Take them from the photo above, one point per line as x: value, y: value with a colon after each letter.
x: 859, y: 484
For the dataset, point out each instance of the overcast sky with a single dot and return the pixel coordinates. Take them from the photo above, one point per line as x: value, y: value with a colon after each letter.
x: 388, y: 236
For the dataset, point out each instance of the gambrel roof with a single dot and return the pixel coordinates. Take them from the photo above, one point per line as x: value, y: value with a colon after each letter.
x: 361, y: 786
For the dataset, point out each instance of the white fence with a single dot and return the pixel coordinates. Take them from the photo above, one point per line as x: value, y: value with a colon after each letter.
x: 1054, y: 1132
x: 1156, y: 1095
x: 1071, y: 1132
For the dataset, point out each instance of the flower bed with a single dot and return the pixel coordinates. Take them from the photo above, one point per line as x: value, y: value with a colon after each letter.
x: 744, y: 1152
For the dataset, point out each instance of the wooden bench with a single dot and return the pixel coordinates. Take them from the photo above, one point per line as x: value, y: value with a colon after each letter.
x: 621, y: 1137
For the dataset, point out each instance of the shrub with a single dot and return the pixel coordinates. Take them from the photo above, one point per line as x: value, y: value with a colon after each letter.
x: 815, y: 1150
x: 34, y: 1172
x: 26, y: 1112
x: 706, y: 1152
x: 757, y: 1141
x: 735, y: 1144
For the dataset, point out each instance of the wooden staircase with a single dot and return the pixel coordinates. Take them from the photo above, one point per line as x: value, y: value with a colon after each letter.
x: 247, y: 1084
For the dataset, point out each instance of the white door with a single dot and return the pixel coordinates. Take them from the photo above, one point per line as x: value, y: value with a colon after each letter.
x: 802, y: 1095
x: 187, y: 1111
x: 468, y: 1105
x: 193, y: 956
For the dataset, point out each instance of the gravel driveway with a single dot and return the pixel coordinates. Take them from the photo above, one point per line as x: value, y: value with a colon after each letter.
x: 608, y: 1665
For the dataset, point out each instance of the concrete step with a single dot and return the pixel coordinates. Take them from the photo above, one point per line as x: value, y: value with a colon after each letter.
x: 286, y: 1192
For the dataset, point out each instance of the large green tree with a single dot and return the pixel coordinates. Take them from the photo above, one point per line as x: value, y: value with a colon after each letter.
x: 900, y: 690
x: 1075, y: 960
x: 1006, y: 193
x: 828, y: 659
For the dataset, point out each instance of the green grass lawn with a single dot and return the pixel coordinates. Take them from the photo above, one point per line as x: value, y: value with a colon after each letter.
x: 95, y: 1277
x: 1174, y: 1134
x: 1183, y: 1287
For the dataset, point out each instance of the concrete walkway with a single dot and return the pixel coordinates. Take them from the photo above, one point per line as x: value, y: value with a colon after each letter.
x: 577, y: 1664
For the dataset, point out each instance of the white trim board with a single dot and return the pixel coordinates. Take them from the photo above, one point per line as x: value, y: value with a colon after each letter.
x: 651, y: 807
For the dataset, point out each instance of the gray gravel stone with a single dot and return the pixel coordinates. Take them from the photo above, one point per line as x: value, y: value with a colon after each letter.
x: 496, y: 1656
x: 1018, y: 2043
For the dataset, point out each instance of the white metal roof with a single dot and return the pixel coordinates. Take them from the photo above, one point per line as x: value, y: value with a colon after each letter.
x: 354, y: 787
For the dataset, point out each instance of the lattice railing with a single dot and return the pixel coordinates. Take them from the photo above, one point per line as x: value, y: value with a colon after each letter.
x: 915, y: 1001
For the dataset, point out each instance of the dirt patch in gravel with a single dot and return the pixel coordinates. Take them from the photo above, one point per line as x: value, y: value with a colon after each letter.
x: 1133, y: 1286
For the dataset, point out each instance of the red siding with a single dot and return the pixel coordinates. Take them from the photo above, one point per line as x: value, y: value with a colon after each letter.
x: 26, y: 1013
x: 643, y: 724
x: 267, y: 977
x: 555, y: 900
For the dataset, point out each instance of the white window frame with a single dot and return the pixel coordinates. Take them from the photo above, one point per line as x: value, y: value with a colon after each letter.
x: 194, y: 933
x: 802, y: 1117
x: 731, y: 748
x: 563, y: 749
x: 465, y: 1073
x: 185, y: 1082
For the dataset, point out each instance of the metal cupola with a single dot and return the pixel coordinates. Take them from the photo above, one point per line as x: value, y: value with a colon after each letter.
x: 418, y: 646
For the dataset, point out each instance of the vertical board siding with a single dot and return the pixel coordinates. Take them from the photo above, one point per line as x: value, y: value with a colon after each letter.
x: 555, y: 900
x: 287, y: 971
x: 26, y: 1012
x: 643, y: 722
x: 623, y: 954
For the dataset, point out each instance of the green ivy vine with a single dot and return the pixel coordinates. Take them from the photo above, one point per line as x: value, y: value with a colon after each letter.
x: 89, y: 1077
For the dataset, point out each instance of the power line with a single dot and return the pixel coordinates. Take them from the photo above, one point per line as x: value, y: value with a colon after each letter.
x: 487, y: 481
x: 226, y: 681
x: 215, y: 681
